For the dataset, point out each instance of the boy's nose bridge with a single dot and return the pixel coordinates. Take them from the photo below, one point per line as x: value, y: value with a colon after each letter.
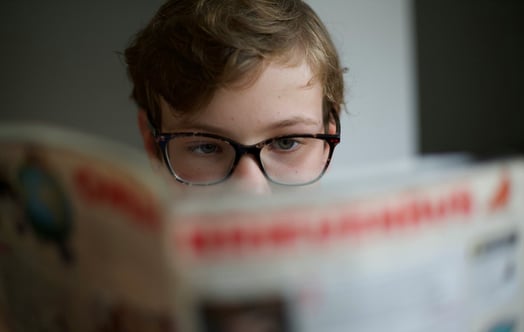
x: 249, y: 174
x: 254, y: 152
x: 250, y: 150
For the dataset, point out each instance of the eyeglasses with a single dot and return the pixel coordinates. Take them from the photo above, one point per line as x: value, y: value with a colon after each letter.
x: 205, y: 159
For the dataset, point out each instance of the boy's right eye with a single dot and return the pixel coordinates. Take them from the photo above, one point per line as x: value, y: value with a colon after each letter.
x: 204, y: 148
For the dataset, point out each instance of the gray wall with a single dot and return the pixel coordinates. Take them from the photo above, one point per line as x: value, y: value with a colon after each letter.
x: 59, y: 65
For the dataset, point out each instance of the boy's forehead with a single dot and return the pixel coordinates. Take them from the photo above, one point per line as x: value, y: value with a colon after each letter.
x: 282, y: 91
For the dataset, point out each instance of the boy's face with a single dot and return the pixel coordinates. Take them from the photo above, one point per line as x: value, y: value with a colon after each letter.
x: 283, y: 100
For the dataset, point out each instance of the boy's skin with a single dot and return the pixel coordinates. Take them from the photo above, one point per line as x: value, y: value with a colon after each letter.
x: 283, y: 100
x: 283, y: 95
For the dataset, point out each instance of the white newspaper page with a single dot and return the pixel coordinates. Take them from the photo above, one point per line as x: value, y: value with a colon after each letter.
x: 441, y: 256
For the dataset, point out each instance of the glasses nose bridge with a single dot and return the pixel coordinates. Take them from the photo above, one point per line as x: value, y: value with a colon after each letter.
x: 253, y: 150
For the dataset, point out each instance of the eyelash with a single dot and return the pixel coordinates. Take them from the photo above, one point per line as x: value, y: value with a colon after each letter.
x: 294, y: 141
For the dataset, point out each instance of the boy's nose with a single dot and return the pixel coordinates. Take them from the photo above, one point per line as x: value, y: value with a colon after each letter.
x: 249, y: 178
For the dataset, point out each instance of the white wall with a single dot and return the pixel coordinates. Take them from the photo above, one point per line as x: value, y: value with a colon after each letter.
x: 375, y: 41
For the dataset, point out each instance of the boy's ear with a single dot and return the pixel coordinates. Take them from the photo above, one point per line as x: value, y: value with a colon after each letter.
x: 332, y: 129
x: 147, y: 136
x: 332, y: 126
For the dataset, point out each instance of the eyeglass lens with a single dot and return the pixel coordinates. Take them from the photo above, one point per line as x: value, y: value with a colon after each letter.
x: 205, y: 160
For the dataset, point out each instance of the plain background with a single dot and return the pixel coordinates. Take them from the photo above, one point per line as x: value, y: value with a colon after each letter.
x: 471, y: 76
x: 412, y: 86
x: 60, y: 64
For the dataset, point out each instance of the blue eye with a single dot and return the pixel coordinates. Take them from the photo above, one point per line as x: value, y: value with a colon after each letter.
x: 285, y: 144
x: 206, y: 148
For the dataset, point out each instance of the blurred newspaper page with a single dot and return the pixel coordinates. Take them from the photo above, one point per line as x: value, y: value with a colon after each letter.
x: 80, y: 234
x: 92, y: 240
x: 442, y: 253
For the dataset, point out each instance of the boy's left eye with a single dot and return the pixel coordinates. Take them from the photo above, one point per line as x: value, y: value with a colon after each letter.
x: 285, y: 144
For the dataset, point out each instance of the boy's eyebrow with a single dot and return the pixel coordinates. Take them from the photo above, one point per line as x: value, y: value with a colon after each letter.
x: 290, y: 122
x: 296, y: 120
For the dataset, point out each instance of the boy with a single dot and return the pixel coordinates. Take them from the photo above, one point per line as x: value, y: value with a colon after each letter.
x: 247, y: 91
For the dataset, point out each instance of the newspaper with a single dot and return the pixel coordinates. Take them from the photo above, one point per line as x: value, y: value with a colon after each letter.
x: 92, y: 240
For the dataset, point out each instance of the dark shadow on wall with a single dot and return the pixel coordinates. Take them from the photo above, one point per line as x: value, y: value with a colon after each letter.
x: 470, y: 76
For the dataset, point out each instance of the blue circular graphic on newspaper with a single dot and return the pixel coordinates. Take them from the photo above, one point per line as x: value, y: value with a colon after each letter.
x: 505, y: 326
x: 46, y: 206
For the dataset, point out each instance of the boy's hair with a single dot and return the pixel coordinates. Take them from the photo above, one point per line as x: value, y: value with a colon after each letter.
x: 191, y: 48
